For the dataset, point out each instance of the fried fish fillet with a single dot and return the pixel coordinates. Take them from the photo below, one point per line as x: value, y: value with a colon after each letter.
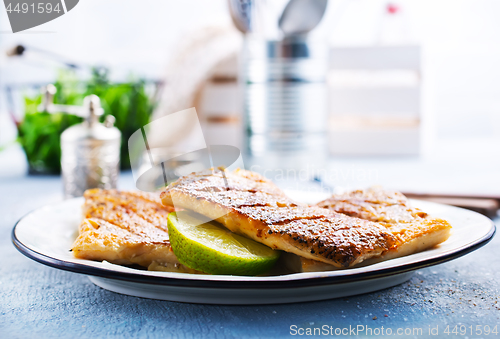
x: 414, y: 229
x: 125, y: 228
x: 248, y: 204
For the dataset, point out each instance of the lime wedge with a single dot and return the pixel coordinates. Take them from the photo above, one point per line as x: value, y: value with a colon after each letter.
x: 211, y: 248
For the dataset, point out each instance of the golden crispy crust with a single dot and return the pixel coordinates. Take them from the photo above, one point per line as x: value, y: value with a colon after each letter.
x: 249, y: 204
x: 124, y: 228
x: 374, y: 204
x: 389, y: 208
x: 414, y: 229
x: 100, y: 240
x: 140, y: 213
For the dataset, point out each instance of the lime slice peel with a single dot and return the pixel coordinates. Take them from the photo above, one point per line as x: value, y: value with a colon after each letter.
x: 211, y: 248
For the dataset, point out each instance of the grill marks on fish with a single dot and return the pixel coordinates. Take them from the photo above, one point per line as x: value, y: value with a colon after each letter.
x: 358, y: 227
x: 390, y: 209
x: 124, y: 228
x: 216, y: 181
x: 139, y: 213
x: 339, y: 239
x: 253, y: 206
x: 375, y: 204
x: 413, y: 229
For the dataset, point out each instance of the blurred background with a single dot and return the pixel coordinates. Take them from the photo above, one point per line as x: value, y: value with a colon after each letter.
x: 413, y: 86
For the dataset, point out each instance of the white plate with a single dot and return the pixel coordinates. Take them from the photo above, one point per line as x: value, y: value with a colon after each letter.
x: 47, y: 234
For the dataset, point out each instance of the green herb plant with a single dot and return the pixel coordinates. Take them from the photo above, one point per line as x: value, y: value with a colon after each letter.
x: 39, y: 132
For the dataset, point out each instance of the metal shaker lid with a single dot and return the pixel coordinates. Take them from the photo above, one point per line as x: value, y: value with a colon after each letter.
x: 96, y: 132
x: 91, y: 128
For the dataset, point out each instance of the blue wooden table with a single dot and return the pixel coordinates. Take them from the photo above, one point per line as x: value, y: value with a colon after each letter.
x: 42, y: 302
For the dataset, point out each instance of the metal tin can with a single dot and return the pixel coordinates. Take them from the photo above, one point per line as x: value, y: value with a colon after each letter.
x: 286, y: 109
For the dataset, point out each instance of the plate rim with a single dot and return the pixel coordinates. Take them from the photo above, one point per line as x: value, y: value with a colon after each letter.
x: 322, y: 280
